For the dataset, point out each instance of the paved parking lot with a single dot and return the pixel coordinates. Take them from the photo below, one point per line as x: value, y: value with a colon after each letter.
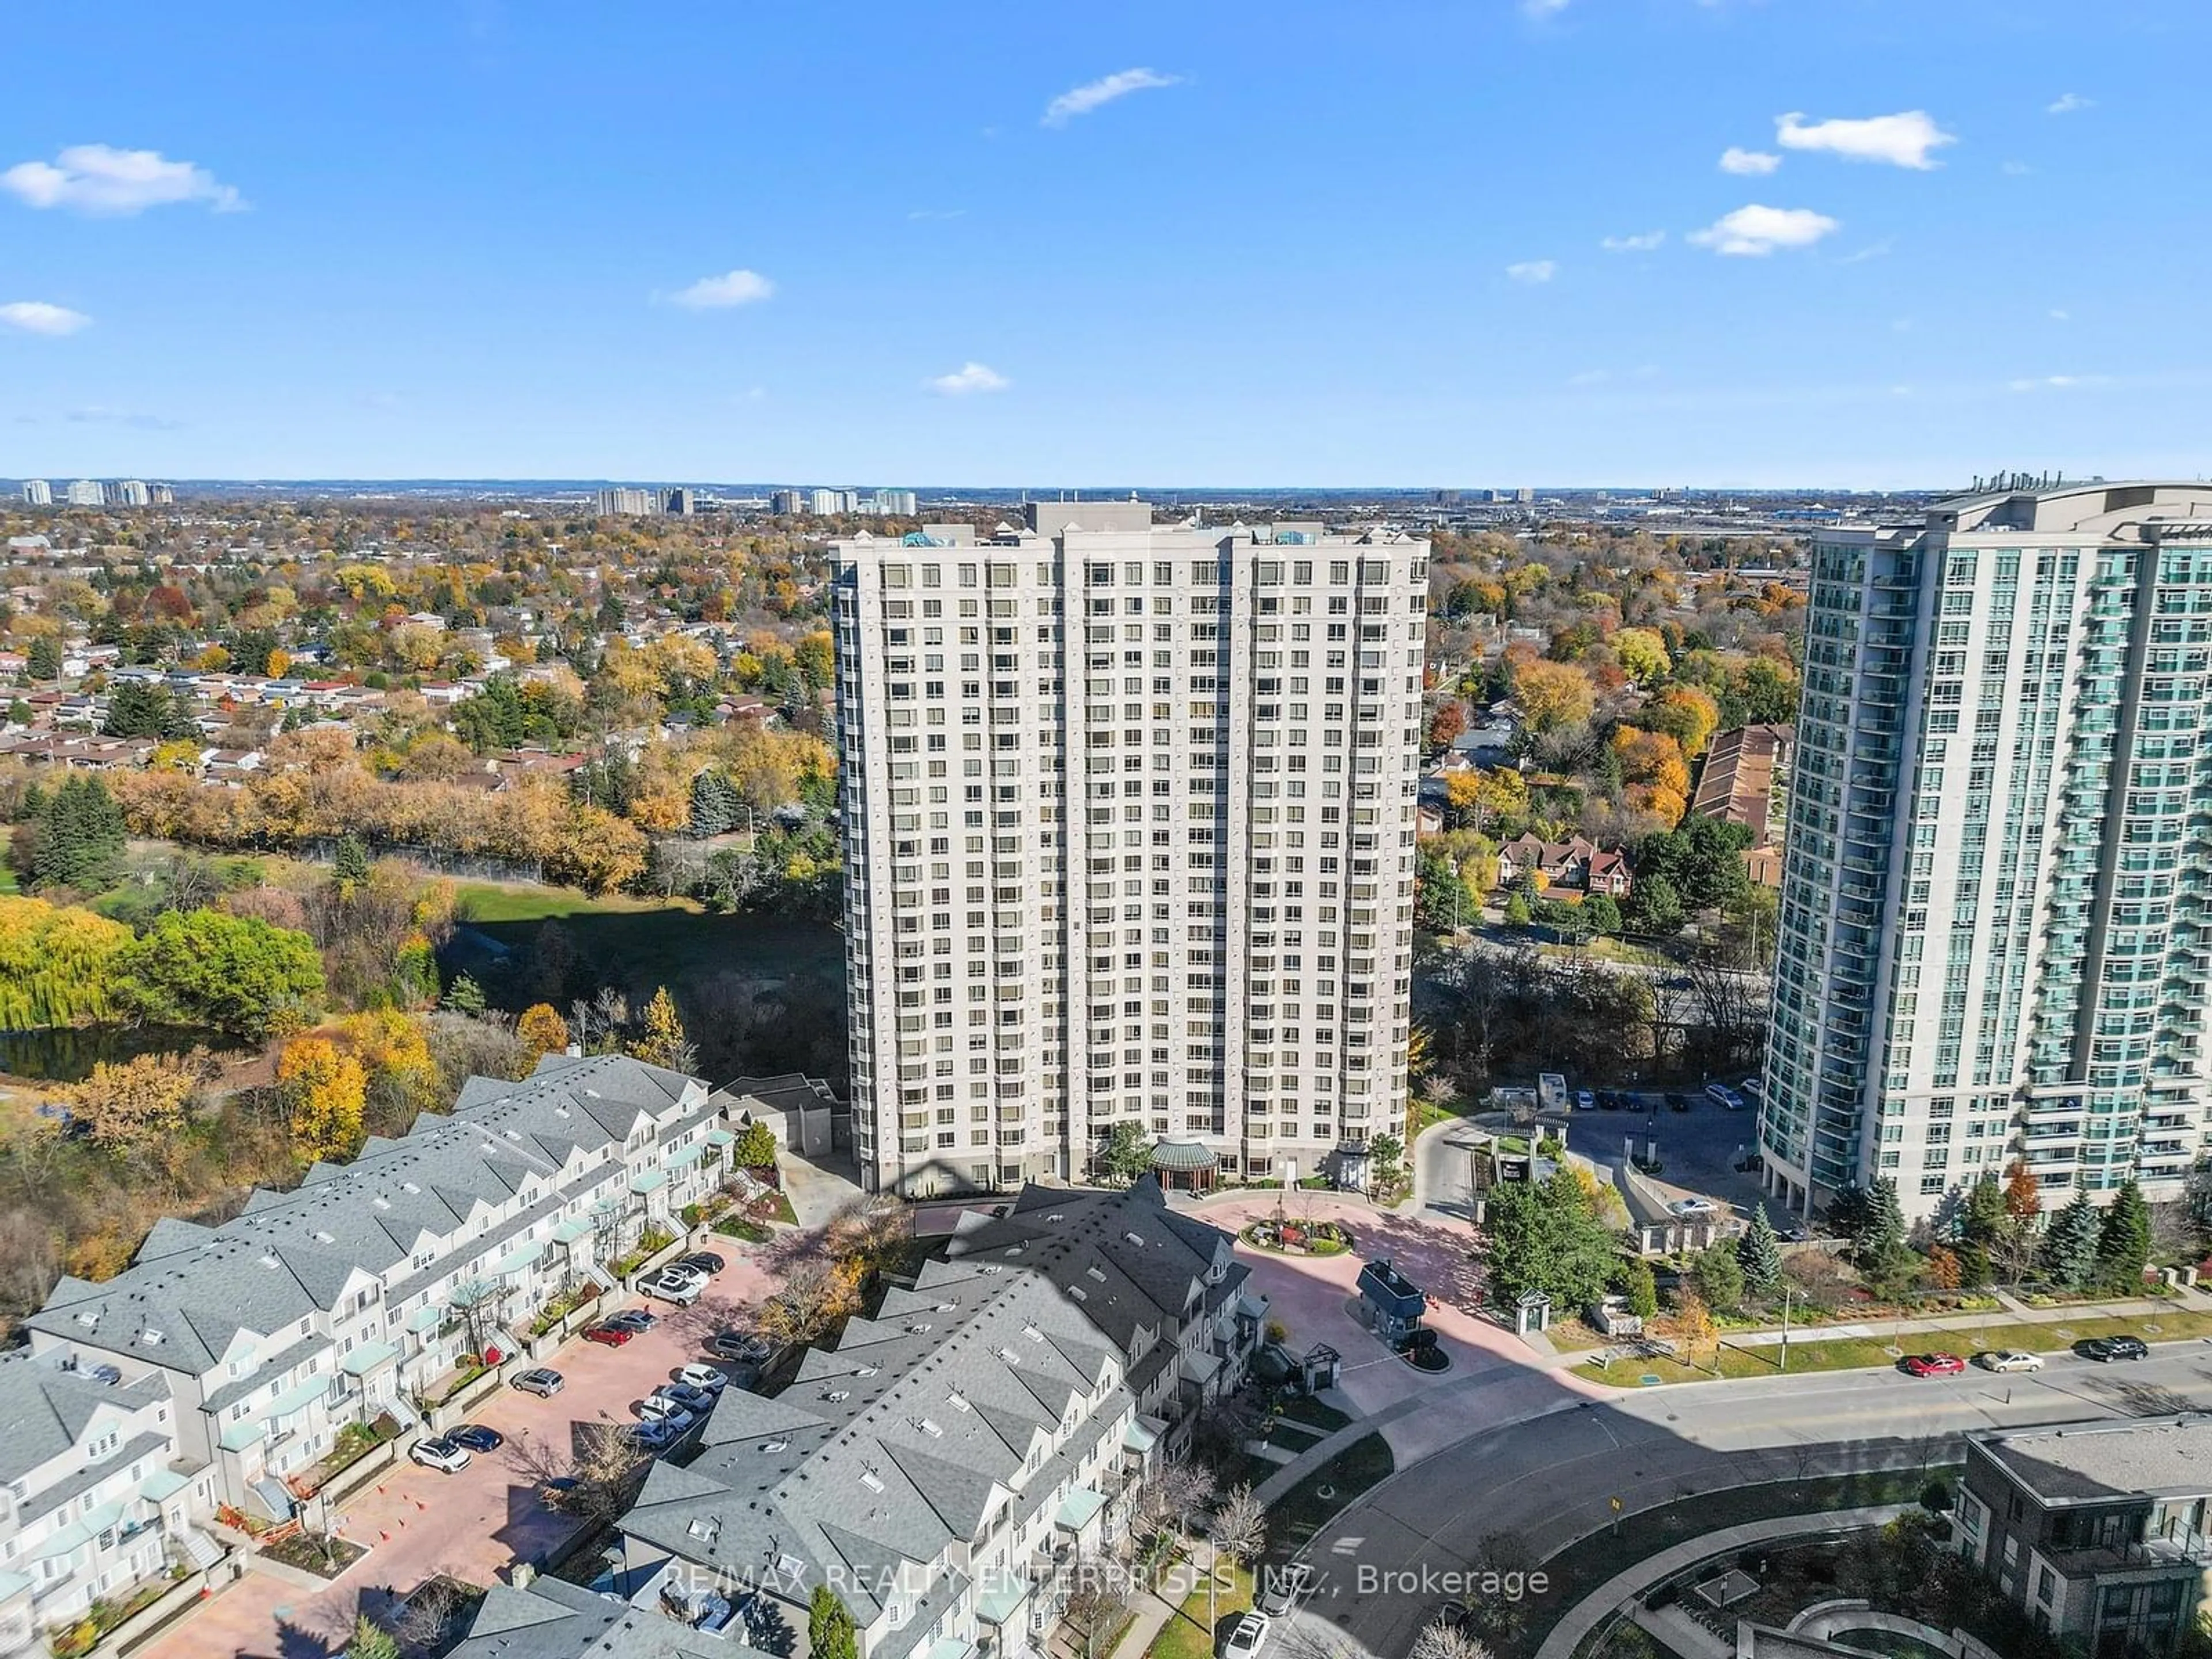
x: 1698, y: 1148
x: 471, y: 1525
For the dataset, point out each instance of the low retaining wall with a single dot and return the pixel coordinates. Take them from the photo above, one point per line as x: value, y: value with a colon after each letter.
x: 175, y: 1606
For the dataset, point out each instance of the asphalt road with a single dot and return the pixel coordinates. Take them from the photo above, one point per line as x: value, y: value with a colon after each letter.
x: 1544, y: 1481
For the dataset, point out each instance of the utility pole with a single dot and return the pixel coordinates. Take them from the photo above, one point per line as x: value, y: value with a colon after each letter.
x: 1785, y: 1327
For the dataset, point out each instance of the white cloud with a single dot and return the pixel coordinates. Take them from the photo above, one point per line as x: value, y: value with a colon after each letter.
x: 1533, y: 271
x: 1094, y: 95
x: 99, y: 178
x: 2017, y: 169
x: 2058, y: 316
x: 1639, y: 244
x: 1542, y: 7
x: 2054, y: 382
x: 1748, y: 161
x: 969, y: 378
x: 37, y: 317
x: 1590, y: 377
x: 1901, y: 140
x: 2069, y: 103
x: 735, y: 288
x: 1756, y: 231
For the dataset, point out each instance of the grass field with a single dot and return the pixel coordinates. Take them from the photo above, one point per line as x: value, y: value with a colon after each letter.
x: 1873, y: 1353
x: 1294, y: 1518
x: 1187, y: 1635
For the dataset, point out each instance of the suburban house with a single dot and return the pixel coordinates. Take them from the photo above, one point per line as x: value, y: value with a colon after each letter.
x: 1574, y: 865
x: 356, y: 1293
x: 2097, y: 1531
x: 94, y: 1501
x: 948, y: 1460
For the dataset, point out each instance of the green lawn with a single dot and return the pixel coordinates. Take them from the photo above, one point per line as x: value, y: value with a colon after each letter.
x: 1303, y: 1510
x: 1187, y: 1635
x: 1838, y: 1354
x: 1314, y: 1415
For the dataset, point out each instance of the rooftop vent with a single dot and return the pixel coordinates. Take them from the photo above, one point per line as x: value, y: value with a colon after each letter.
x: 931, y: 1429
x: 1137, y: 1239
x: 1078, y: 1293
x: 867, y: 1370
x: 920, y: 1329
x: 409, y: 1186
x: 959, y: 1401
x: 836, y: 1394
x: 322, y: 1237
x: 1096, y: 1272
x: 775, y: 1445
x: 872, y: 1481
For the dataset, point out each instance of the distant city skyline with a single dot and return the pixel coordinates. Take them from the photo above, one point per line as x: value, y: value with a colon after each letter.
x: 1719, y: 241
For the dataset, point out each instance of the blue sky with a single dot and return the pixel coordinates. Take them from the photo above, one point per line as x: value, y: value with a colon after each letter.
x: 1303, y: 242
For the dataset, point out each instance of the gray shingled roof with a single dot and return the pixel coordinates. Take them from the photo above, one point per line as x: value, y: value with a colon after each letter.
x: 288, y: 1254
x: 902, y: 1438
x: 44, y: 1410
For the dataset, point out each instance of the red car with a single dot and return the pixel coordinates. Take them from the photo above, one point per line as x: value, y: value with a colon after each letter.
x: 1935, y: 1364
x: 613, y: 1335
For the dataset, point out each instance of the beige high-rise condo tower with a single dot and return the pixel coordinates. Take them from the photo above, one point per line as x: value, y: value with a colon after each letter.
x: 1129, y: 816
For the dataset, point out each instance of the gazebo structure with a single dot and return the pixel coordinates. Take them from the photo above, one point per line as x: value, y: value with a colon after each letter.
x: 1185, y: 1166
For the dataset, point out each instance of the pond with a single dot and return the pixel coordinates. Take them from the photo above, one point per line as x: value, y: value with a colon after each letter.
x: 67, y: 1053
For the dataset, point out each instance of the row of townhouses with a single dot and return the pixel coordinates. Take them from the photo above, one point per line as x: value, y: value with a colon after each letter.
x: 943, y: 1466
x: 226, y: 1360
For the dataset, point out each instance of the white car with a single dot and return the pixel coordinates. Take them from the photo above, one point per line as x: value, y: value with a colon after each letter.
x: 1247, y: 1634
x: 2011, y: 1359
x: 1585, y: 1101
x: 440, y: 1454
x: 1690, y: 1207
x: 703, y: 1376
x: 658, y: 1409
x: 668, y: 1286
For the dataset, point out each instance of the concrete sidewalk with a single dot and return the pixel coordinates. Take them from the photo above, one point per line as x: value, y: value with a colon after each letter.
x: 1624, y: 1586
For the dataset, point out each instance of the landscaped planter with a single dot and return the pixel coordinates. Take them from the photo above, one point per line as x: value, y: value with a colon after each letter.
x: 1308, y: 1238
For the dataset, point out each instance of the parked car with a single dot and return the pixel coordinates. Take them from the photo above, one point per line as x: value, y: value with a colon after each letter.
x: 2011, y: 1359
x: 1721, y: 1095
x: 2106, y: 1349
x: 682, y: 1289
x: 544, y: 1381
x: 1752, y: 1090
x: 1678, y: 1102
x: 651, y: 1437
x: 1247, y: 1634
x: 1934, y: 1365
x: 704, y: 1261
x: 1282, y: 1588
x: 1585, y: 1101
x: 476, y: 1437
x: 698, y: 1401
x: 1693, y: 1206
x: 703, y: 1376
x: 607, y: 1331
x: 440, y: 1454
x: 635, y: 1320
x: 740, y: 1345
x: 1608, y: 1100
x: 658, y: 1409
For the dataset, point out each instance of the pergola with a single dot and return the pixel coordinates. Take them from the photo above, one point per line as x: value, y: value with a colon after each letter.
x: 1185, y: 1166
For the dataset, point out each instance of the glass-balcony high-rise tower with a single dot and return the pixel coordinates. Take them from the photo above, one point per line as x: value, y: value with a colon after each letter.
x: 1994, y: 936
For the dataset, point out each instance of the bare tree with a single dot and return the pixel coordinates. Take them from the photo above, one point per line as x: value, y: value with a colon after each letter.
x: 1172, y: 1493
x: 604, y: 1466
x: 1439, y: 1640
x: 1095, y: 1603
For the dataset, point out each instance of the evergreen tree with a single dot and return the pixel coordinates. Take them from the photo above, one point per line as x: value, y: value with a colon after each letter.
x: 2123, y: 1241
x: 2069, y: 1248
x: 1634, y: 1279
x: 81, y: 838
x: 1758, y: 1253
x: 716, y: 805
x: 45, y: 658
x: 349, y: 865
x: 1984, y: 1221
x: 1719, y: 1278
x: 830, y: 1631
x: 464, y: 996
x: 1880, y: 1231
